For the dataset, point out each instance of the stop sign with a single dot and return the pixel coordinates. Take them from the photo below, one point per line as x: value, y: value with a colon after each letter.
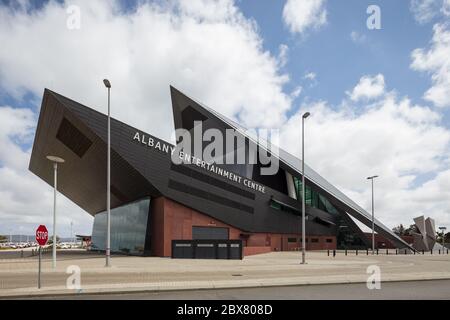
x: 41, y: 235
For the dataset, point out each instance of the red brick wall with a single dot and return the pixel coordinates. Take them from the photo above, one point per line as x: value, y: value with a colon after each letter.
x: 383, y: 243
x: 173, y: 221
x: 249, y: 251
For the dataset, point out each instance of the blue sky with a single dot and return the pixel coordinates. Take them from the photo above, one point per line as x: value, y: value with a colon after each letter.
x: 210, y: 50
x: 339, y: 62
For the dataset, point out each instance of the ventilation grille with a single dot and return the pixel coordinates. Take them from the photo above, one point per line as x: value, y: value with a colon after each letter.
x: 73, y: 138
x: 208, y: 196
x: 183, y: 169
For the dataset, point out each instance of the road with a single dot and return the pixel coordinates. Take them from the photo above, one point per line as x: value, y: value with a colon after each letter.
x: 408, y: 290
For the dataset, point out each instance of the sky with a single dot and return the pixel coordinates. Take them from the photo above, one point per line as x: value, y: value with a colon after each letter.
x: 379, y: 97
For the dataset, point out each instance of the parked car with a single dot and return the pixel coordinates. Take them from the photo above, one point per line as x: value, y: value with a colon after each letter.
x: 65, y: 246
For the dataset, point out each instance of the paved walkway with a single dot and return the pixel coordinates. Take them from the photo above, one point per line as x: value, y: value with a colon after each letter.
x: 18, y: 277
x: 407, y: 290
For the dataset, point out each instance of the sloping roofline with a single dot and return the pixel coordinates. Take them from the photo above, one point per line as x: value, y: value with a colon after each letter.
x: 294, y: 164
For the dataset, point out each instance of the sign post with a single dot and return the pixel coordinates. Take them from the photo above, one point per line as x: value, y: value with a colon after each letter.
x: 41, y: 239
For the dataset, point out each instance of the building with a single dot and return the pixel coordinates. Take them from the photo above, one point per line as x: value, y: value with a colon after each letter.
x: 155, y: 200
x: 383, y: 243
x: 425, y: 237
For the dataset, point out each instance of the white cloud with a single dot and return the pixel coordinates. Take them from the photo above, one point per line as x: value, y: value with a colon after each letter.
x: 369, y: 87
x: 297, y: 91
x: 283, y: 54
x: 211, y: 52
x: 211, y: 11
x: 16, y: 126
x: 310, y: 76
x: 435, y: 60
x: 22, y: 208
x: 206, y: 48
x: 397, y: 140
x: 301, y: 15
x: 358, y: 37
x: 425, y: 10
x: 446, y: 8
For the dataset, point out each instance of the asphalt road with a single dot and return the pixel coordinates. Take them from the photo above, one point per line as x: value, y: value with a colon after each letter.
x: 409, y: 290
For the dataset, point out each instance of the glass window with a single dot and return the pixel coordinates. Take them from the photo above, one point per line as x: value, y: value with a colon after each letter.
x: 128, y: 228
x: 311, y: 197
x: 275, y: 205
x: 347, y: 238
x: 315, y: 240
x: 314, y: 198
x: 292, y: 239
x: 278, y: 206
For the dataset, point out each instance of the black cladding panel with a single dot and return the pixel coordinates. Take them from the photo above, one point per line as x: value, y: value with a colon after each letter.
x: 78, y: 134
x: 139, y: 169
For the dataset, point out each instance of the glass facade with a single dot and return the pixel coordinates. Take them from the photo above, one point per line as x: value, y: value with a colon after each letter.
x: 313, y: 198
x: 346, y: 237
x: 128, y: 228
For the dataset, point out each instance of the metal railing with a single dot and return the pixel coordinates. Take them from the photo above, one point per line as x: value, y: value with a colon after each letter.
x: 368, y: 252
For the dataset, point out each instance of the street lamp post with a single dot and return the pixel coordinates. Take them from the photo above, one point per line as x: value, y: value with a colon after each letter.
x: 373, y: 216
x: 108, y: 183
x: 71, y: 233
x: 305, y: 115
x: 443, y: 237
x: 55, y: 160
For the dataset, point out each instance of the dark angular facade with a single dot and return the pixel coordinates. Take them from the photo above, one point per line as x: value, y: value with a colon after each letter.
x: 187, y: 201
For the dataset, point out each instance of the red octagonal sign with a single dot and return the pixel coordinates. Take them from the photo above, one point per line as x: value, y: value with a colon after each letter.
x: 41, y: 235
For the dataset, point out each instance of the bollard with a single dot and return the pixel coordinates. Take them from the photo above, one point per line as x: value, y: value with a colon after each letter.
x: 414, y: 252
x: 439, y: 251
x: 334, y: 253
x: 396, y: 252
x: 367, y: 252
x: 345, y: 251
x: 377, y: 251
x: 387, y: 251
x: 356, y: 251
x: 328, y: 251
x: 431, y: 251
x: 423, y: 251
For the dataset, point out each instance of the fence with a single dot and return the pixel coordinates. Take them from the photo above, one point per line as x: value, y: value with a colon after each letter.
x: 17, y: 254
x: 355, y: 252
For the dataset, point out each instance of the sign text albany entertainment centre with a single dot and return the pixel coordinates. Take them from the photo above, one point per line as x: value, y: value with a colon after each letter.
x: 186, y: 158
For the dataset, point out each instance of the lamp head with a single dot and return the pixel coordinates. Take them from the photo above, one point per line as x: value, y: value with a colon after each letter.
x: 55, y: 159
x: 107, y: 83
x: 306, y: 115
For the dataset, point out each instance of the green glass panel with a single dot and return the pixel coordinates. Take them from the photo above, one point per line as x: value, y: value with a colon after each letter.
x: 275, y: 205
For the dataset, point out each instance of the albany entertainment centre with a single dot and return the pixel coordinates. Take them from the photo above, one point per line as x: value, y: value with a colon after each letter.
x: 155, y: 201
